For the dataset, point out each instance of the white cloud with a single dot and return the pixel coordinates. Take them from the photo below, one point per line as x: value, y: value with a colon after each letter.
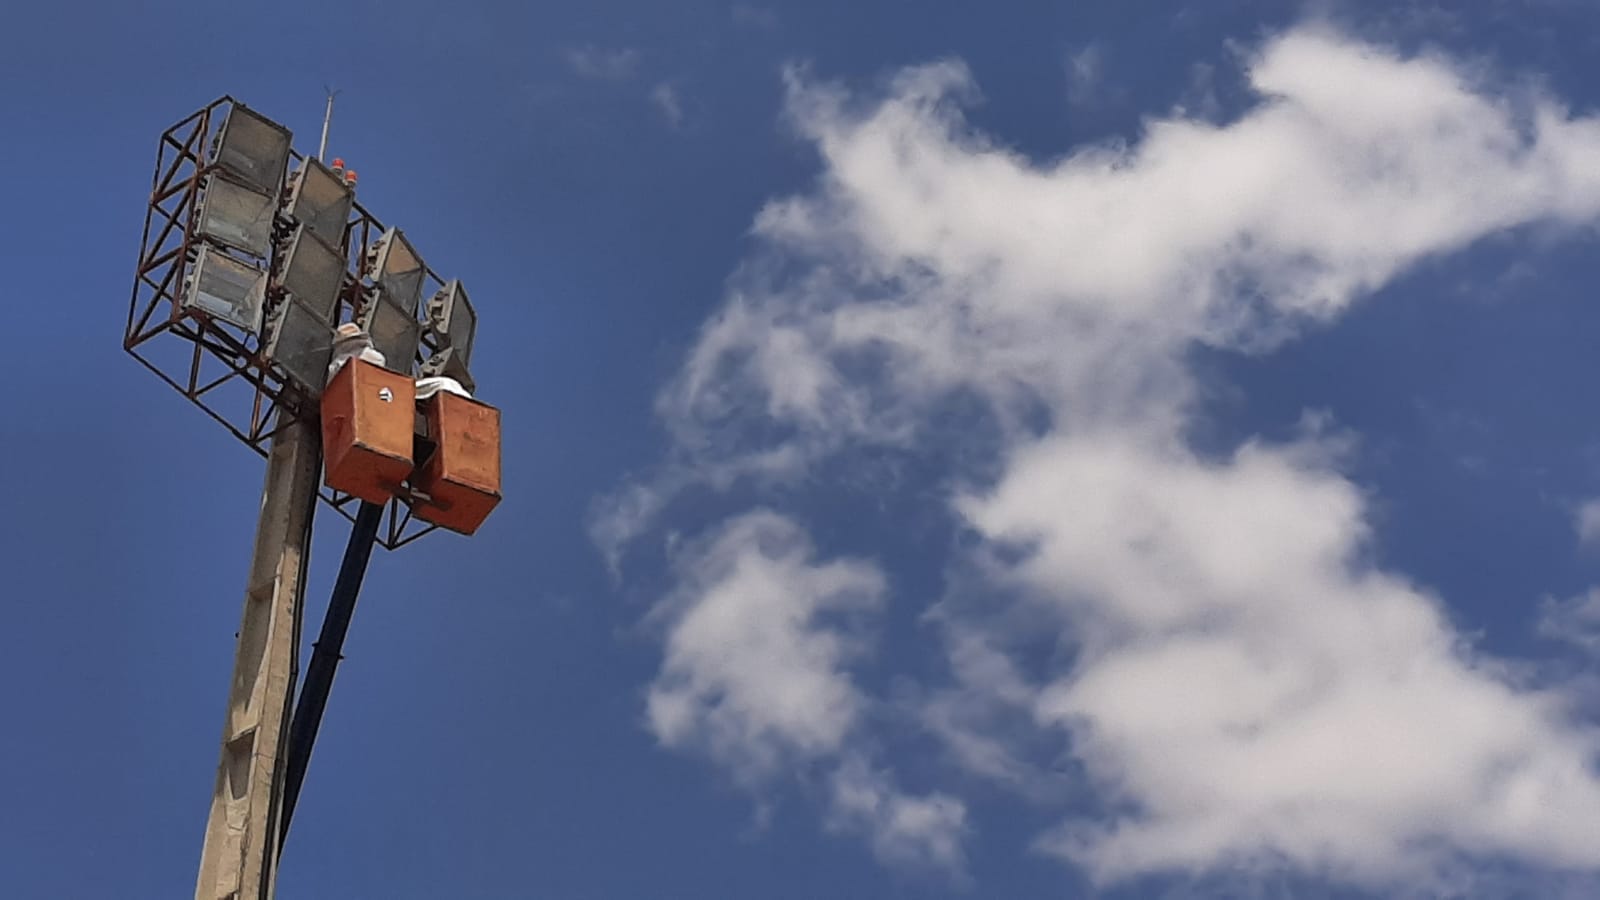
x: 752, y: 674
x: 1251, y: 690
x: 978, y: 718
x: 1587, y: 522
x: 909, y: 831
x: 1085, y: 71
x: 760, y: 638
x: 667, y: 102
x: 603, y: 64
x: 1238, y: 681
x: 1575, y: 620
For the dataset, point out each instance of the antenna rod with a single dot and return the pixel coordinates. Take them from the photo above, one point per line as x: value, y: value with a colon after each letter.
x: 327, y: 119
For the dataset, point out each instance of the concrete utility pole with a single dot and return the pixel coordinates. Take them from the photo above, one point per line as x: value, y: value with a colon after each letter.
x: 240, y: 856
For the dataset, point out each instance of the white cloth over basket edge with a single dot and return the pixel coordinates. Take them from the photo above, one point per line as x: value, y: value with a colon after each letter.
x: 427, y: 387
x: 353, y: 345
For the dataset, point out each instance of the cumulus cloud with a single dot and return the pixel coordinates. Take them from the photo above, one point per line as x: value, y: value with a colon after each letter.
x: 1574, y: 620
x: 916, y: 832
x: 1587, y: 522
x: 1233, y: 676
x: 751, y: 673
x: 760, y: 638
x: 1249, y: 688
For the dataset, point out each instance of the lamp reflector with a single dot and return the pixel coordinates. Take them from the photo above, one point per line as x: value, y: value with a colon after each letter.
x: 302, y: 344
x: 226, y: 289
x: 312, y: 273
x: 399, y: 271
x: 394, y: 334
x: 253, y: 148
x: 321, y: 201
x: 237, y: 216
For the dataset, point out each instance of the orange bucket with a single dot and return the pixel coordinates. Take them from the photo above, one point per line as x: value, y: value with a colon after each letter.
x: 368, y: 421
x: 462, y: 475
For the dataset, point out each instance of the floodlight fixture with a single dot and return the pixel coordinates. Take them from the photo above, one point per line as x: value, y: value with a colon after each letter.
x: 226, y: 289
x: 301, y: 342
x: 449, y: 363
x: 398, y: 271
x: 454, y: 323
x: 395, y: 333
x: 237, y: 216
x: 249, y: 257
x: 451, y: 317
x: 312, y: 273
x: 253, y: 148
x: 320, y: 199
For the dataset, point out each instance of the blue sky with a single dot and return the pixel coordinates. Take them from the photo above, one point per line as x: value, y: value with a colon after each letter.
x: 1091, y: 449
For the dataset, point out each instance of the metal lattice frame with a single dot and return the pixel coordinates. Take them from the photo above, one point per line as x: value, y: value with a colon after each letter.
x: 218, y: 366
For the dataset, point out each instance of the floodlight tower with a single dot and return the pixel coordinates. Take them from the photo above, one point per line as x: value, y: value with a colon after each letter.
x: 246, y: 269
